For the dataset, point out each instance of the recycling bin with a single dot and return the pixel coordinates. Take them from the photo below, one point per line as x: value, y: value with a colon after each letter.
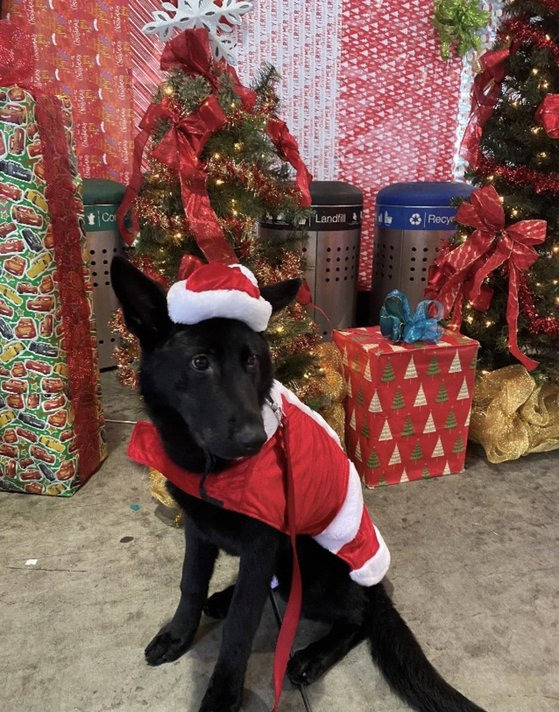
x: 411, y: 222
x: 331, y: 251
x: 101, y: 200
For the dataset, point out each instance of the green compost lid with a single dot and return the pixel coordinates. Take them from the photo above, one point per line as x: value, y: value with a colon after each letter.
x: 101, y: 191
x: 101, y: 198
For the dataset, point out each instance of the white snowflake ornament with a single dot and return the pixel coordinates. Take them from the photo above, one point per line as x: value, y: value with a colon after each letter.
x: 218, y: 20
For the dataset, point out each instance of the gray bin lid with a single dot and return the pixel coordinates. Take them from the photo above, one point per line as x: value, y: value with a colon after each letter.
x: 335, y: 192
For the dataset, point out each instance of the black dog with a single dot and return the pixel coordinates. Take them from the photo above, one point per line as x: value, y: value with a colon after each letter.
x: 204, y: 386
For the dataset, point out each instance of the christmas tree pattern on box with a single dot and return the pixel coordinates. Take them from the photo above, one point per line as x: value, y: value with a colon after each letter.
x: 408, y: 408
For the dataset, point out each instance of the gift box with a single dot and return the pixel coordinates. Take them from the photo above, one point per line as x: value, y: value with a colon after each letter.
x: 51, y: 424
x: 408, y: 405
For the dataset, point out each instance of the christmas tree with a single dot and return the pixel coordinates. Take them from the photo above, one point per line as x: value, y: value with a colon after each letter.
x: 219, y: 161
x: 499, y: 276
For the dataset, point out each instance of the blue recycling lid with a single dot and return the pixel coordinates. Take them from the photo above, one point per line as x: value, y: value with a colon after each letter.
x: 423, y: 194
x: 420, y: 205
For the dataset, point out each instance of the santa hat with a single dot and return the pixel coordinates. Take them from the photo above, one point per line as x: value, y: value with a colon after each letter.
x: 218, y: 290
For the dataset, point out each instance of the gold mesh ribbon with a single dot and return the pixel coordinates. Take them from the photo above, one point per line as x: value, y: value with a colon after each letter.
x: 159, y: 493
x: 512, y: 415
x: 332, y: 385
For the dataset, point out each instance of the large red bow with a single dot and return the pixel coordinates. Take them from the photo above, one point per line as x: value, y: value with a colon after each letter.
x: 180, y: 149
x: 460, y: 273
x: 547, y: 114
x: 485, y: 92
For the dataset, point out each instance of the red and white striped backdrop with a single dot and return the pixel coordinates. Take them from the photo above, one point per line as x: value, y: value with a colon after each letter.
x: 363, y: 87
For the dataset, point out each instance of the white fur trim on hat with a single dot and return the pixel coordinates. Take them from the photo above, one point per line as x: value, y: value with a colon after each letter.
x: 191, y: 307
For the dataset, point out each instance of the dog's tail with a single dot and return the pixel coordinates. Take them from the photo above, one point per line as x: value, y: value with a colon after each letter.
x: 404, y: 665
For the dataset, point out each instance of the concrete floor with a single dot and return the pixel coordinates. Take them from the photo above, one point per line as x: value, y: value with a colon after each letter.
x: 475, y: 573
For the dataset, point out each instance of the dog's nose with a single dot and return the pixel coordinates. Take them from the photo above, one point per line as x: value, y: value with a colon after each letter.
x: 251, y: 438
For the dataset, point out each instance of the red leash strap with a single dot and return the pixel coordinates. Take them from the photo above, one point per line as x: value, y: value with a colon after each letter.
x: 293, y: 611
x: 304, y: 297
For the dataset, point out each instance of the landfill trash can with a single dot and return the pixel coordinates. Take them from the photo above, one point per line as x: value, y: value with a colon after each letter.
x: 101, y: 200
x: 411, y: 221
x: 331, y: 251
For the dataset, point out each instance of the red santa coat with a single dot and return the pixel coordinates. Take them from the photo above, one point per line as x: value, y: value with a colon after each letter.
x: 327, y: 491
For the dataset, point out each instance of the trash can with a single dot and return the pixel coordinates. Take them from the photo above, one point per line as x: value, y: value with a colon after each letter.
x: 101, y: 200
x: 412, y: 219
x: 331, y: 251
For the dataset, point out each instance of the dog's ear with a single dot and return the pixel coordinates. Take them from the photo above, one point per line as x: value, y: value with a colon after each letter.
x: 143, y: 302
x: 281, y: 295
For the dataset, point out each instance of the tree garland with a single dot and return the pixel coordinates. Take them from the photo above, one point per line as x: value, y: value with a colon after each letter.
x: 538, y: 324
x: 541, y: 182
x: 522, y: 32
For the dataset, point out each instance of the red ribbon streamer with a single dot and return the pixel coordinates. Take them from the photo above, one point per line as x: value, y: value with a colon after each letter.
x: 460, y: 273
x: 304, y: 298
x: 281, y: 138
x: 59, y: 192
x: 485, y: 92
x: 70, y: 278
x: 487, y: 84
x: 180, y: 149
x: 547, y: 114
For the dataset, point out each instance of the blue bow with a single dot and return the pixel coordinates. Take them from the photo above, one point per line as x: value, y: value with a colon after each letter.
x: 399, y: 324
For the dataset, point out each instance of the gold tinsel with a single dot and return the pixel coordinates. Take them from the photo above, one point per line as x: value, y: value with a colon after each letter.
x: 160, y: 494
x: 512, y: 415
x: 330, y: 387
x: 127, y: 353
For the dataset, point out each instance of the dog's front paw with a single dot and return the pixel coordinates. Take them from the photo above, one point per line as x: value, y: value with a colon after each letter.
x: 168, y: 645
x: 221, y: 697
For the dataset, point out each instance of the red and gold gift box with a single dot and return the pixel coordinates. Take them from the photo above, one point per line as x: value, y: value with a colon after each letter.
x: 408, y: 405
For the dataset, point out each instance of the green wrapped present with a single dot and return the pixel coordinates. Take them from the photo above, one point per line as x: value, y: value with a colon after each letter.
x: 51, y: 422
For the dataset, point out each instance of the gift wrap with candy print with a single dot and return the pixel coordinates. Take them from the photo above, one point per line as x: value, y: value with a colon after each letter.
x: 408, y: 405
x: 51, y: 424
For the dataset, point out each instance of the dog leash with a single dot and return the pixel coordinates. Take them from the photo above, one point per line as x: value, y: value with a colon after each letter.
x: 293, y: 611
x: 278, y: 616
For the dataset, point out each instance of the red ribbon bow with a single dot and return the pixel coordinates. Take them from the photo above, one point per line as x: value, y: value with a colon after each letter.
x: 460, y: 272
x: 485, y: 92
x: 180, y: 149
x: 547, y: 114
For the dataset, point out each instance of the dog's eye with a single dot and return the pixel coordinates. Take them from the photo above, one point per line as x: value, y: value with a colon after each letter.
x: 200, y: 362
x: 252, y: 362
